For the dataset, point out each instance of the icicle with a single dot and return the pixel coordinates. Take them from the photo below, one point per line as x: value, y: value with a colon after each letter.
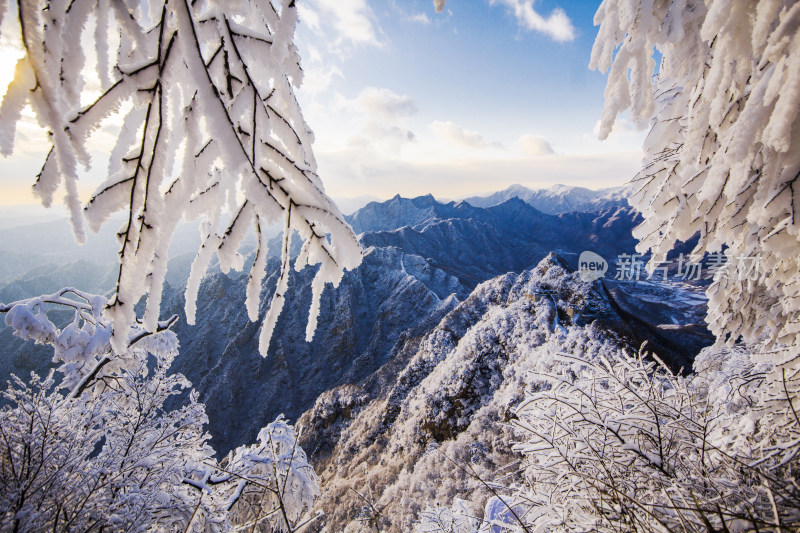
x: 278, y: 298
x: 101, y: 29
x: 317, y: 286
x: 13, y: 102
x: 257, y: 272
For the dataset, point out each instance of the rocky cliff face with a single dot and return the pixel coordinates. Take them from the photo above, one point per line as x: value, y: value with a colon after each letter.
x: 421, y: 436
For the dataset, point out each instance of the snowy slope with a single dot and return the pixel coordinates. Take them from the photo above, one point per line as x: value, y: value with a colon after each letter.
x: 452, y: 393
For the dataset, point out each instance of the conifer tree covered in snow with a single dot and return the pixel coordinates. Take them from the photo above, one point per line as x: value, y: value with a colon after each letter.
x: 723, y: 154
x: 210, y: 130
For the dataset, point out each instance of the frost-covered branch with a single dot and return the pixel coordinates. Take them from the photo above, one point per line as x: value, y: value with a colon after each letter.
x: 108, y: 460
x: 107, y: 453
x: 83, y: 348
x: 722, y: 157
x: 270, y: 483
x: 210, y: 125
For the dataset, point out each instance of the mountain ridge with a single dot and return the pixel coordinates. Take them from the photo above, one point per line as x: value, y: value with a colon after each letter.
x: 432, y: 257
x: 558, y: 199
x: 403, y: 441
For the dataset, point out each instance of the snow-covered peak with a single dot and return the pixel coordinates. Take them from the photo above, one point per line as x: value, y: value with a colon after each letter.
x: 558, y: 198
x: 396, y: 212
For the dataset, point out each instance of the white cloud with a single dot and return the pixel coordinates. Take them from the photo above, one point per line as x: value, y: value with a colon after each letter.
x: 318, y: 78
x: 558, y: 25
x: 378, y: 137
x: 312, y: 54
x: 455, y: 134
x: 534, y: 145
x: 353, y: 170
x: 348, y: 21
x: 376, y: 119
x: 308, y: 17
x: 385, y: 104
x: 420, y: 18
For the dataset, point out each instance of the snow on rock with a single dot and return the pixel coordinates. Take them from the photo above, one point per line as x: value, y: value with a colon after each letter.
x: 451, y: 397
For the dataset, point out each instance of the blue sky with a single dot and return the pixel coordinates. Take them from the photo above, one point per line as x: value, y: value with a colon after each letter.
x: 485, y: 94
x: 406, y: 100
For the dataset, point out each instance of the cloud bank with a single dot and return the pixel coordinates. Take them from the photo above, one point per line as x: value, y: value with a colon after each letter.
x: 457, y: 135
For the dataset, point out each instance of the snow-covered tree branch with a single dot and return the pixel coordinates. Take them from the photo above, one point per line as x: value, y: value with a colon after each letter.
x: 109, y: 459
x: 210, y: 129
x: 723, y: 154
x: 83, y: 347
x: 120, y: 460
x: 270, y: 483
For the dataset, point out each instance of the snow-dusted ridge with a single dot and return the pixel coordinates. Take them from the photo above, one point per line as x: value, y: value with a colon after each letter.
x: 558, y: 199
x: 453, y: 392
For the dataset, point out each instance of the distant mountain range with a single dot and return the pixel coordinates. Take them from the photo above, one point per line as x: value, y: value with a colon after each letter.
x: 558, y: 198
x: 474, y: 243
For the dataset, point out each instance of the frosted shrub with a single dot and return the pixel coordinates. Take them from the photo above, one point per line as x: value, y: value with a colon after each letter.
x: 619, y: 443
x: 510, y: 513
x: 628, y: 445
x: 97, y: 448
x: 116, y: 460
x: 723, y: 153
x: 270, y: 485
x: 458, y: 518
